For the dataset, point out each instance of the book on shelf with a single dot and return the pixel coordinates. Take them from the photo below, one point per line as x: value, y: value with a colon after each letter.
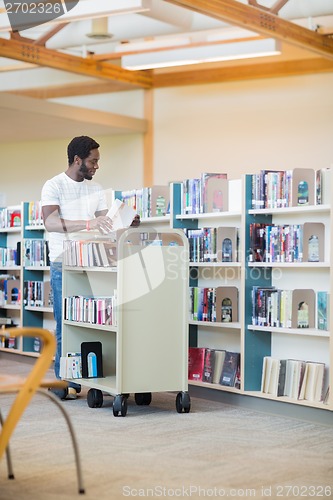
x: 294, y: 376
x: 273, y: 376
x: 153, y: 201
x: 323, y: 307
x: 323, y: 186
x: 326, y: 395
x: 86, y: 253
x: 71, y: 365
x: 107, y: 252
x: 219, y: 355
x: 35, y: 217
x: 205, y: 364
x: 205, y: 194
x: 313, y: 382
x: 230, y: 368
x: 196, y: 360
x: 270, y: 189
x: 208, y: 368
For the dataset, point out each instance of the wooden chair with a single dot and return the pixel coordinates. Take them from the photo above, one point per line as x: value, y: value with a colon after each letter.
x: 27, y: 387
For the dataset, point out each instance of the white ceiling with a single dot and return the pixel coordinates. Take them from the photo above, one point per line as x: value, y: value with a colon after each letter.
x: 143, y: 23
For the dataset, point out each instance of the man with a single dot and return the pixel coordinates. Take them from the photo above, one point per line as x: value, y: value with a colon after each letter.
x: 72, y: 202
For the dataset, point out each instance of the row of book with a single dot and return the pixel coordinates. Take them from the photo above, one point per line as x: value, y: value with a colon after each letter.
x: 215, y: 366
x: 287, y: 243
x: 215, y: 304
x: 287, y: 188
x: 148, y: 201
x: 298, y: 308
x: 294, y: 378
x: 36, y: 253
x: 205, y: 194
x: 8, y: 342
x: 84, y: 253
x: 37, y: 293
x: 35, y: 217
x: 93, y: 310
x: 10, y: 217
x: 213, y: 244
x: 10, y: 257
x: 87, y: 363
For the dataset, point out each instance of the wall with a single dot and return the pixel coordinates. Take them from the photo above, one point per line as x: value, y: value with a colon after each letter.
x: 240, y: 127
x: 229, y: 127
x: 26, y: 166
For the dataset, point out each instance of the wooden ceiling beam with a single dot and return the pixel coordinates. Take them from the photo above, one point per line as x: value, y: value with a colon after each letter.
x: 189, y: 77
x: 263, y: 22
x: 244, y: 72
x: 25, y: 51
x: 72, y: 90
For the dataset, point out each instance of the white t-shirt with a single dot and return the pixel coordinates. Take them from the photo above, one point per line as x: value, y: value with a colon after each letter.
x: 76, y: 201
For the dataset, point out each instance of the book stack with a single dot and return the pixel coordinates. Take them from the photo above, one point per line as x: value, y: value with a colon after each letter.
x: 148, y: 202
x: 283, y: 308
x: 213, y: 244
x: 36, y: 253
x: 215, y: 366
x: 35, y: 217
x: 205, y: 194
x: 279, y: 188
x: 218, y: 304
x: 287, y: 243
x: 294, y: 378
x: 94, y: 310
x: 86, y: 253
x: 71, y: 365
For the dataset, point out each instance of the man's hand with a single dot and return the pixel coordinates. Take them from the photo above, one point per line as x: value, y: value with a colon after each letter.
x: 102, y: 223
x: 136, y: 221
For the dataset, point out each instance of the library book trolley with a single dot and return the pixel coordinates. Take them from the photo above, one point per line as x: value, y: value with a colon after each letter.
x: 141, y: 345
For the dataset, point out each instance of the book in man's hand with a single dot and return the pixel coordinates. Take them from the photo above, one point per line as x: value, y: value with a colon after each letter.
x: 122, y: 215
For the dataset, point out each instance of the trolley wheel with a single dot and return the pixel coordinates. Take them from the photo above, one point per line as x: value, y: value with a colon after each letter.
x: 142, y: 398
x: 119, y: 405
x: 95, y: 398
x: 183, y: 402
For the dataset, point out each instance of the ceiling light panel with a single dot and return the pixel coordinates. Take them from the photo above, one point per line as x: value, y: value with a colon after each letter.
x: 196, y: 55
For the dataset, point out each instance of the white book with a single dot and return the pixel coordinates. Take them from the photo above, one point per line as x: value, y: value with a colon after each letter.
x: 122, y: 215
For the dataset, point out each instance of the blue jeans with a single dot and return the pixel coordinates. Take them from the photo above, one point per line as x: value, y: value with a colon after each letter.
x: 56, y: 285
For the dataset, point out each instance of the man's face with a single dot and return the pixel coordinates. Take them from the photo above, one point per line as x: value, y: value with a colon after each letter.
x: 90, y: 165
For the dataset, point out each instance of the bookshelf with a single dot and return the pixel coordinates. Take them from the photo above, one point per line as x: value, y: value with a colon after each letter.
x: 252, y: 341
x: 140, y: 353
x: 287, y: 341
x: 214, y: 333
x: 10, y: 270
x: 27, y: 270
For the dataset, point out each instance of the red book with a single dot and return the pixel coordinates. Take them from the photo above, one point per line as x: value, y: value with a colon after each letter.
x: 196, y: 360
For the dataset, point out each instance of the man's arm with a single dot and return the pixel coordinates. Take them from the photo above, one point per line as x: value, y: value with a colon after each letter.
x: 54, y: 223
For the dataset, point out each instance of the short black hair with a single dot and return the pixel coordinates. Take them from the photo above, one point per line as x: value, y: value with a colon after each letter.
x: 80, y: 146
